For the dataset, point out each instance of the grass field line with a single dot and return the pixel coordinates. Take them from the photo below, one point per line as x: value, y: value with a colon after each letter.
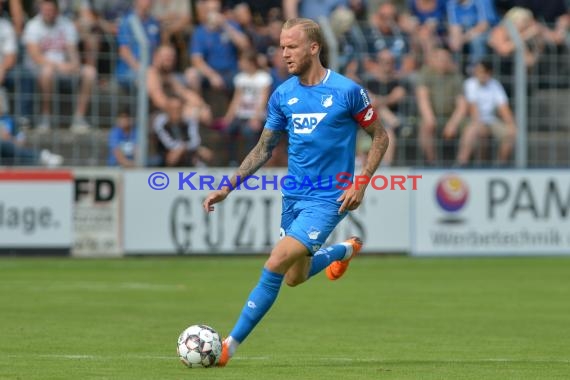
x: 317, y: 358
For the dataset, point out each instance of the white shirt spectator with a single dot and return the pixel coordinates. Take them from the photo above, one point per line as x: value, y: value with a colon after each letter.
x: 8, y: 43
x: 52, y: 39
x: 486, y: 97
x: 252, y: 89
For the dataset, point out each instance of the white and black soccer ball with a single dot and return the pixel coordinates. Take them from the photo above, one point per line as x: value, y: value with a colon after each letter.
x: 199, y: 346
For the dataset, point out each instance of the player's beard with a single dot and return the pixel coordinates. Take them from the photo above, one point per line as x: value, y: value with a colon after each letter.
x: 301, y: 67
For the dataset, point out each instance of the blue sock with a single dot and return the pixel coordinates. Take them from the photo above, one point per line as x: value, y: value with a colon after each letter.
x: 260, y: 300
x: 323, y: 257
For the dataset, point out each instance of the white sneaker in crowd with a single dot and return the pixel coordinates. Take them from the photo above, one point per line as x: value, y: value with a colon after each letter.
x: 79, y: 125
x: 44, y: 125
x: 50, y: 159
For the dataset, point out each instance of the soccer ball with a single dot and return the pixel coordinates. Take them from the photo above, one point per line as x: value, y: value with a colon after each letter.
x: 199, y: 346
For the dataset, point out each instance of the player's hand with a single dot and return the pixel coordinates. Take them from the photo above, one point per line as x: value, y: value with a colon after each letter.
x: 351, y: 198
x: 213, y: 198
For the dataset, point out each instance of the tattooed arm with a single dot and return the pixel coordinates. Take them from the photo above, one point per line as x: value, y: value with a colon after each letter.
x: 352, y: 197
x: 258, y: 156
x: 379, y: 146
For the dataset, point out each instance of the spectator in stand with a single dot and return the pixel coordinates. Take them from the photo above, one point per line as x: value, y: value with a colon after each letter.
x: 359, y: 8
x: 553, y: 16
x: 129, y: 62
x: 278, y: 72
x: 491, y: 11
x: 109, y: 13
x: 11, y: 150
x: 179, y: 142
x: 272, y: 34
x: 8, y: 51
x: 215, y: 45
x: 311, y: 9
x: 246, y: 114
x: 262, y: 11
x: 441, y: 104
x: 530, y: 32
x: 387, y: 93
x: 175, y: 18
x: 51, y: 54
x: 468, y: 24
x: 486, y: 97
x: 259, y: 41
x: 16, y: 12
x: 383, y: 32
x: 163, y: 83
x: 425, y: 22
x: 123, y: 141
x: 97, y: 21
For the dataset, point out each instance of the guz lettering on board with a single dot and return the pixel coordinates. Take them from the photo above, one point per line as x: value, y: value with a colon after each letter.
x: 231, y: 222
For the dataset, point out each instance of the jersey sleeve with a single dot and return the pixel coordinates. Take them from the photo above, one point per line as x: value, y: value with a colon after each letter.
x: 276, y: 120
x: 114, y: 138
x: 500, y: 94
x: 71, y: 34
x: 470, y: 91
x: 360, y: 107
x: 197, y: 45
x: 124, y: 33
x: 30, y: 34
x: 10, y: 44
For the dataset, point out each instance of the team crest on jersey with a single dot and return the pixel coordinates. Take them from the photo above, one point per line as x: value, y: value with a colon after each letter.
x: 327, y: 101
x: 292, y: 101
x: 313, y: 233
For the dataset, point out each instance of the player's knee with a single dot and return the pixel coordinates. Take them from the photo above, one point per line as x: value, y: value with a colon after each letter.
x: 293, y: 281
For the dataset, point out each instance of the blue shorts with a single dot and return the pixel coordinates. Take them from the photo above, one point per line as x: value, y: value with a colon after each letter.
x: 310, y: 222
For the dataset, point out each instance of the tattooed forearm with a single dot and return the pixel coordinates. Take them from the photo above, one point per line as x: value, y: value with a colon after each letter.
x: 258, y: 156
x: 380, y: 141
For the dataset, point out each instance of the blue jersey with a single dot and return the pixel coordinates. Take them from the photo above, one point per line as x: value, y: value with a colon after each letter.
x: 126, y: 37
x: 322, y: 122
x: 466, y: 15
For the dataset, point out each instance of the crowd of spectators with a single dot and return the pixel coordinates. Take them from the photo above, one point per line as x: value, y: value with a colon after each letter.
x: 213, y: 65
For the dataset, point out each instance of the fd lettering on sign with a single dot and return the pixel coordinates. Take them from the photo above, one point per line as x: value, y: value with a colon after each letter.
x: 101, y: 189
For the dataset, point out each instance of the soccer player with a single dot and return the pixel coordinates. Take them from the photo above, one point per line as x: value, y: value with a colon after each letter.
x: 321, y: 111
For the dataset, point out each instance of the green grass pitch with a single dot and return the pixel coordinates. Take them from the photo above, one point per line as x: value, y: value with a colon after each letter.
x: 388, y: 318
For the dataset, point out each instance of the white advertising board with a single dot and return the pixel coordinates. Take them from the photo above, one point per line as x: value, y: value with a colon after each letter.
x: 493, y: 212
x: 36, y: 211
x: 173, y: 221
x: 96, y: 215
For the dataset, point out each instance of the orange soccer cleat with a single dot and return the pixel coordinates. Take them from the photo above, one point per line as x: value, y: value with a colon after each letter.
x: 225, y: 356
x: 337, y: 268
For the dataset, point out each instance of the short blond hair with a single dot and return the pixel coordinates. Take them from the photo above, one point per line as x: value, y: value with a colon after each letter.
x: 313, y: 32
x: 519, y: 15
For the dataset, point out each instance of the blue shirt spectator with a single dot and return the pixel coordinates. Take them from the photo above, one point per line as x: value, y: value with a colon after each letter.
x: 122, y: 141
x: 310, y: 8
x: 491, y: 12
x: 437, y: 14
x: 216, y: 48
x: 466, y: 14
x: 126, y: 71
